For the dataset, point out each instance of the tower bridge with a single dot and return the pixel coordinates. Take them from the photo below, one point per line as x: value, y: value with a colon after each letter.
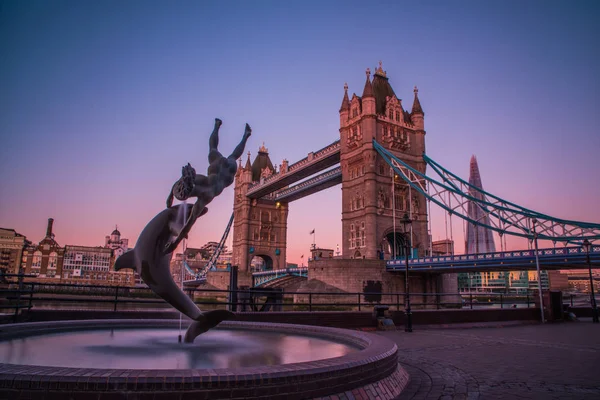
x: 379, y: 159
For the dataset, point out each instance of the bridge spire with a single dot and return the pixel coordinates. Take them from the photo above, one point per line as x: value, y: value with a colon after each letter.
x: 345, y: 101
x: 379, y: 71
x: 368, y: 90
x: 416, y: 108
x: 248, y: 165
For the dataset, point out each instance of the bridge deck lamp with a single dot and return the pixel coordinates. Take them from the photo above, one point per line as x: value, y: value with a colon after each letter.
x: 587, y: 247
x: 406, y: 221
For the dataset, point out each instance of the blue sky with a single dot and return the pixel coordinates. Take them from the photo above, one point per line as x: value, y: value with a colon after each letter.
x: 103, y: 102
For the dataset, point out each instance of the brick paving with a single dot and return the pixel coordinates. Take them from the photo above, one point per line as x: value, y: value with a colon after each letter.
x: 551, y: 361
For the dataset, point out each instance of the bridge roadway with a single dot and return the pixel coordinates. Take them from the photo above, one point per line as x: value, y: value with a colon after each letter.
x: 517, y: 260
x: 313, y: 163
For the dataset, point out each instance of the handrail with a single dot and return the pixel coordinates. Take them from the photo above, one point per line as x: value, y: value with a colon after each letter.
x: 510, y: 254
x: 312, y: 300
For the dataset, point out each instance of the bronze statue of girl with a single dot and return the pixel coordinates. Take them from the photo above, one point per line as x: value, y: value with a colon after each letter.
x: 220, y: 174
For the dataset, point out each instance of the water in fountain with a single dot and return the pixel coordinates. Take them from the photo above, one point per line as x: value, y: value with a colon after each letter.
x: 154, y: 349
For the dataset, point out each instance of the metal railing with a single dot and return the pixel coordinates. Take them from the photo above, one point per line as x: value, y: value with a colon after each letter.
x: 21, y: 295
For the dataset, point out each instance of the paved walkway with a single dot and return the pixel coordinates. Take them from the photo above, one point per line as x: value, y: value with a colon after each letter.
x: 551, y: 361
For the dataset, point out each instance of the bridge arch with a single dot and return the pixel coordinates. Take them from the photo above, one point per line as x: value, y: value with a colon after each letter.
x: 388, y: 242
x: 266, y: 265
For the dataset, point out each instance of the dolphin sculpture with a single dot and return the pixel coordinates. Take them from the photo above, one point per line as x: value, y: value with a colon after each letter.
x: 153, y: 265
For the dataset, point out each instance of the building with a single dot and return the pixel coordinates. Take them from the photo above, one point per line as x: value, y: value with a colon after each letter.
x: 11, y: 250
x: 480, y: 239
x: 50, y: 263
x: 120, y: 245
x: 442, y: 247
x: 116, y: 243
x: 93, y: 265
x: 44, y: 260
x: 581, y: 283
x: 318, y: 253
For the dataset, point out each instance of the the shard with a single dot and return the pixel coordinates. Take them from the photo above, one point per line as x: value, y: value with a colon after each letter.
x: 479, y: 239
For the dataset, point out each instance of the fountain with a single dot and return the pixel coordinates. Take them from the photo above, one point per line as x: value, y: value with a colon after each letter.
x: 139, y: 359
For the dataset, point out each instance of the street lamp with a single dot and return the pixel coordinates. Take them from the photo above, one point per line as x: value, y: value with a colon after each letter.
x: 587, y: 246
x: 407, y: 223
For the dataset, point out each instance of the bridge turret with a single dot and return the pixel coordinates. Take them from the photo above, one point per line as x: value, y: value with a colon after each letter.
x: 417, y: 115
x: 368, y: 98
x: 247, y: 174
x: 345, y: 108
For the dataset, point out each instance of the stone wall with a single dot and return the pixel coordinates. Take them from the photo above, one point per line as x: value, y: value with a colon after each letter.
x: 360, y: 276
x: 218, y: 279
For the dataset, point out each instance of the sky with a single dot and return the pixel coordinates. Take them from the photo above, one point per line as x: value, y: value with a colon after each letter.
x: 101, y: 103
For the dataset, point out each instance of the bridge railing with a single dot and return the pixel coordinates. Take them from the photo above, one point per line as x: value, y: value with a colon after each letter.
x: 512, y: 254
x: 22, y: 297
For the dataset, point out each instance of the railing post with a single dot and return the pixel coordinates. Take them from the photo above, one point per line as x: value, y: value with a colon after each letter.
x: 571, y: 300
x: 398, y: 301
x: 30, y: 305
x: 310, y: 302
x: 359, y: 302
x: 116, y: 298
x: 18, y: 302
x: 471, y: 299
x: 437, y: 300
x: 527, y: 298
x: 501, y: 301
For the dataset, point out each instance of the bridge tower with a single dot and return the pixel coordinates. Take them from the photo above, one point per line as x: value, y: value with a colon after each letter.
x: 367, y: 198
x: 259, y: 225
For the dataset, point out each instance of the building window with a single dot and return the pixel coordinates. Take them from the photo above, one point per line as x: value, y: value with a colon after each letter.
x: 391, y: 114
x: 53, y: 260
x: 37, y: 260
x: 355, y: 112
x: 385, y: 131
x: 397, y: 116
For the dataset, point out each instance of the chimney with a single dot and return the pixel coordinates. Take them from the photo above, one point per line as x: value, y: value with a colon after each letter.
x: 49, y: 229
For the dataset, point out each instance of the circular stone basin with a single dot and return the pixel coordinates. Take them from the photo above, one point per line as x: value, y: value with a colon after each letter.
x: 147, y: 348
x: 103, y: 358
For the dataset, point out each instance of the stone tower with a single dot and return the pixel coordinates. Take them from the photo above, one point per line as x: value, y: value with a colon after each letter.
x: 367, y: 198
x: 259, y: 225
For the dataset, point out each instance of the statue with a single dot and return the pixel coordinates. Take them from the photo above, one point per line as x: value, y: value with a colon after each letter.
x: 153, y: 266
x: 221, y: 173
x: 153, y: 251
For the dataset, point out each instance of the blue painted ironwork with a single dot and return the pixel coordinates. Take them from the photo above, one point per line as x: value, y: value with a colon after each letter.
x: 505, y: 217
x: 554, y: 258
x: 263, y: 277
x: 212, y: 262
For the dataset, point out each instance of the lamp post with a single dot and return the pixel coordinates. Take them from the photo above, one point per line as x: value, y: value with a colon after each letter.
x: 407, y: 224
x: 587, y: 246
x: 537, y: 267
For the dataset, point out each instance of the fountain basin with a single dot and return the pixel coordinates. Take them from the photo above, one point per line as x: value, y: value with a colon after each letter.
x: 367, y: 359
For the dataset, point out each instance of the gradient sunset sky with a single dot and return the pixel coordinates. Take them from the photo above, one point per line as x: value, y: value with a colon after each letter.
x: 101, y: 103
